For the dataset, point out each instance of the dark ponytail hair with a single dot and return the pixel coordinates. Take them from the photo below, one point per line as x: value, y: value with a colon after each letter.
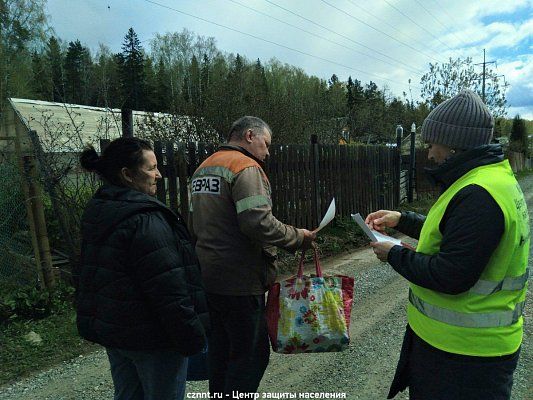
x: 122, y: 152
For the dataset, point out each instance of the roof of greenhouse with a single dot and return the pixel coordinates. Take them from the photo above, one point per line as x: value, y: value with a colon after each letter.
x: 63, y: 127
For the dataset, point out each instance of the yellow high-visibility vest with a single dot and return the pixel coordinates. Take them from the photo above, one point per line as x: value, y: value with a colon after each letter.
x: 487, y: 319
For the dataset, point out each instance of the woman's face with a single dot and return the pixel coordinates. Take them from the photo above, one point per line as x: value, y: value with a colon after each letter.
x: 145, y: 178
x: 438, y: 152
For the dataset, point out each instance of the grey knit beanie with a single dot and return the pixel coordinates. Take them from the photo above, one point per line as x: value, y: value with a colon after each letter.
x: 462, y: 122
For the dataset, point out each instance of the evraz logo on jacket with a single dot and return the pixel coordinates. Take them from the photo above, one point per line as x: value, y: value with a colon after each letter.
x: 206, y: 185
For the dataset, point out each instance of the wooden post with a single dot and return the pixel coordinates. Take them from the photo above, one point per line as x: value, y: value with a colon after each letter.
x: 34, y: 194
x: 50, y: 188
x: 315, y: 182
x: 29, y: 202
x: 193, y: 163
x: 127, y: 122
x: 398, y: 163
x: 183, y: 182
x: 412, y: 165
x: 172, y: 176
x: 161, y: 193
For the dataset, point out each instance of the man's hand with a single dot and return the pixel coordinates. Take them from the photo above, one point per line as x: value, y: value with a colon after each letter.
x: 379, y: 220
x: 381, y: 249
x: 309, y: 237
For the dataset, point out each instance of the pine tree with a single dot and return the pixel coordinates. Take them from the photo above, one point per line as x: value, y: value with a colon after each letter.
x: 132, y: 77
x: 150, y: 86
x: 519, y: 139
x: 234, y: 91
x: 333, y: 80
x: 163, y: 91
x: 41, y: 82
x: 350, y: 101
x: 204, y: 82
x: 105, y: 79
x: 55, y: 61
x: 194, y: 85
x: 259, y: 87
x: 88, y: 93
x: 75, y: 74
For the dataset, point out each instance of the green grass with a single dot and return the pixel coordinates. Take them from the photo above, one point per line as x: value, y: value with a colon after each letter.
x: 60, y: 342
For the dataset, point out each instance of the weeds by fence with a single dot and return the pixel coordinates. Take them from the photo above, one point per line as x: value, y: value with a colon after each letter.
x: 16, y: 263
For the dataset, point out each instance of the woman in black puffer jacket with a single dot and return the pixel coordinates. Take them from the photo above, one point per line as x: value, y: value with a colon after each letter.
x: 139, y: 290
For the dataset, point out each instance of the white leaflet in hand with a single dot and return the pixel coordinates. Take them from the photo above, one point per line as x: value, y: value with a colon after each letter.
x: 373, y: 235
x: 328, y: 217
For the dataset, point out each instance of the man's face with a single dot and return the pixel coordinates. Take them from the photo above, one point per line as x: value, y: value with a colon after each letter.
x: 258, y: 143
x: 438, y: 152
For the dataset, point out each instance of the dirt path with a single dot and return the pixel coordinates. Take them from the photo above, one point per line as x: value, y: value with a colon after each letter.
x: 364, y: 371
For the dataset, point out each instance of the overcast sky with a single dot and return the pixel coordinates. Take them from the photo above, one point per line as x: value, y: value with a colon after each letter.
x: 386, y: 41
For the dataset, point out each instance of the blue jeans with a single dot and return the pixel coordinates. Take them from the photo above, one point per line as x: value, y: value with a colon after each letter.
x: 148, y: 375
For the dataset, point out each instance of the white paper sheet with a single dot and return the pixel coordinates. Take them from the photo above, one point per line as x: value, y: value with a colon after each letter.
x: 328, y: 217
x: 373, y: 235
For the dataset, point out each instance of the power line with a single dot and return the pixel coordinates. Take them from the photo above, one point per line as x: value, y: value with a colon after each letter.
x: 417, y: 71
x: 416, y: 23
x: 438, y: 21
x: 392, y: 26
x: 336, y: 33
x: 377, y: 30
x: 271, y: 42
x: 451, y: 18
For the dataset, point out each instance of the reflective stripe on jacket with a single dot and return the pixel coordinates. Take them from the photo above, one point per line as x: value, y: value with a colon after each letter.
x: 487, y: 319
x: 237, y: 234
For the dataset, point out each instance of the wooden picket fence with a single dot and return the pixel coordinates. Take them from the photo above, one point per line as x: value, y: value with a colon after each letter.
x: 424, y: 188
x: 304, y: 178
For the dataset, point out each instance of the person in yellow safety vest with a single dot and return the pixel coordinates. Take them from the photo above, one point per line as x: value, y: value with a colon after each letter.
x: 468, y: 275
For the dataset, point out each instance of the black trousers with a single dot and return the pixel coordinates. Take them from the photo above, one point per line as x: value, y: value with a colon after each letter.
x: 433, y: 374
x: 239, y: 348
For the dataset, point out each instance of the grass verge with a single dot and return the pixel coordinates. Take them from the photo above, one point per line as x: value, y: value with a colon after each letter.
x: 59, y: 342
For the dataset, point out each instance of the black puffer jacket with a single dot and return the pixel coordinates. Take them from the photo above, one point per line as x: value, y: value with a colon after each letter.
x: 138, y: 284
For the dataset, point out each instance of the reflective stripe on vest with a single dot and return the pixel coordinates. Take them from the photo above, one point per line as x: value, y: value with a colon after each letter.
x: 467, y: 320
x: 484, y: 287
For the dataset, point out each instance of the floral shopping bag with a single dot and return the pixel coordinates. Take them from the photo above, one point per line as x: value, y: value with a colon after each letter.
x: 310, y: 314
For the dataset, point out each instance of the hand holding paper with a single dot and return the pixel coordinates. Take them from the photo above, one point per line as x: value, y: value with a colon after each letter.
x: 373, y: 235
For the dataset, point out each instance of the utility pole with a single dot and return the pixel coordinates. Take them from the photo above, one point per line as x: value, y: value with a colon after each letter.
x: 484, y: 63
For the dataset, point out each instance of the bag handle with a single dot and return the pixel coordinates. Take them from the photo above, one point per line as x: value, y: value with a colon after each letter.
x: 318, y: 268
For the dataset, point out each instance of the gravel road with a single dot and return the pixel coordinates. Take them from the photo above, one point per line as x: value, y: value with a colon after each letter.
x: 364, y: 371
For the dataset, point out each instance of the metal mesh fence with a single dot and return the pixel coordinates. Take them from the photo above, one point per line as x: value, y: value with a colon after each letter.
x: 17, y: 266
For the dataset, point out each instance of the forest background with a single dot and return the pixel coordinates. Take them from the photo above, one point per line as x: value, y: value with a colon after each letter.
x: 183, y: 73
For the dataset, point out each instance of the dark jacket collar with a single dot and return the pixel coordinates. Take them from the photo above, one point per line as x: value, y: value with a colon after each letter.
x: 113, y: 204
x: 453, y: 168
x: 240, y: 149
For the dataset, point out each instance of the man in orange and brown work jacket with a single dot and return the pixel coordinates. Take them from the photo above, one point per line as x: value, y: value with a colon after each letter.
x: 237, y: 236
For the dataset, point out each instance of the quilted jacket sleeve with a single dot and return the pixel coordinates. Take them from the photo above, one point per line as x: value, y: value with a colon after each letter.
x: 160, y: 270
